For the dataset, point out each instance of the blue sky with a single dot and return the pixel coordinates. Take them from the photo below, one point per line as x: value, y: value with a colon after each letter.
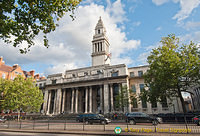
x: 133, y: 27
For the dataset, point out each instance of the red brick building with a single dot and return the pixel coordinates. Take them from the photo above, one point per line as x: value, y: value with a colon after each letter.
x: 10, y: 72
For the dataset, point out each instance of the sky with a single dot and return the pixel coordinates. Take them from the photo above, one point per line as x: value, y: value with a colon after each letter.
x: 134, y: 28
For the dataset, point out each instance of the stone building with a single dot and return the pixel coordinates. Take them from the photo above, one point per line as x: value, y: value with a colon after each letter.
x: 91, y: 89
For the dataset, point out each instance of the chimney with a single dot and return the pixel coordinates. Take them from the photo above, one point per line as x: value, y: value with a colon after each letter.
x: 37, y: 76
x: 1, y: 61
x: 15, y: 66
x: 32, y: 73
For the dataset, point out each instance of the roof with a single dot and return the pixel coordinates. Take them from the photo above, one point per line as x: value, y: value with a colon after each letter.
x: 6, y: 68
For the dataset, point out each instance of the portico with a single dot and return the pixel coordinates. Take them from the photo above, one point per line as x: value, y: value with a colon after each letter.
x: 86, y: 97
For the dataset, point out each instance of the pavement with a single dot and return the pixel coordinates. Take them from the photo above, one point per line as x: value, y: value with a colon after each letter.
x: 105, y: 133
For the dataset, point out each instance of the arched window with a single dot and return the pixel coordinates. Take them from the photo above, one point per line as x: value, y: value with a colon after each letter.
x: 99, y: 31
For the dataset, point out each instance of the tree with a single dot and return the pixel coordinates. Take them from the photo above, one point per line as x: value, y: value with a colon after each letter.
x: 173, y: 68
x: 24, y: 19
x: 20, y: 94
x: 123, y: 97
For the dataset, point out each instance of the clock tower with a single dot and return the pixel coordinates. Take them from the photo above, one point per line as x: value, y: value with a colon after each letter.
x: 100, y: 46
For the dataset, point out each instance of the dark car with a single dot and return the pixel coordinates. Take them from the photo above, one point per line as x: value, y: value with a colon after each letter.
x: 93, y: 118
x: 139, y: 117
x: 196, y: 120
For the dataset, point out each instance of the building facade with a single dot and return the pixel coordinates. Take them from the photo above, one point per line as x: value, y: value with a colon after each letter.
x: 93, y: 89
x: 10, y: 72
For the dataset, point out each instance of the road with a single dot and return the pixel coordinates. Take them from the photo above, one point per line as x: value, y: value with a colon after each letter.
x: 36, y: 134
x: 56, y: 125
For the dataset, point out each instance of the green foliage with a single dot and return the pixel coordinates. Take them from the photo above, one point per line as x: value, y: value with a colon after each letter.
x: 123, y: 97
x: 172, y: 69
x: 20, y: 94
x: 24, y: 19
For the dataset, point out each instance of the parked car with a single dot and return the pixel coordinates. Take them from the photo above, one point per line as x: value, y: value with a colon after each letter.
x: 139, y: 117
x: 93, y: 118
x: 196, y: 120
x: 2, y: 120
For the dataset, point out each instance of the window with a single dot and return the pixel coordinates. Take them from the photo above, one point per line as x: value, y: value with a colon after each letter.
x: 54, y: 81
x: 115, y: 74
x: 133, y: 88
x: 3, y: 75
x: 164, y: 102
x: 140, y: 73
x: 132, y: 74
x: 16, y: 72
x: 100, y: 46
x: 144, y: 103
x: 154, y: 105
x: 99, y: 31
x: 95, y: 47
x: 141, y: 87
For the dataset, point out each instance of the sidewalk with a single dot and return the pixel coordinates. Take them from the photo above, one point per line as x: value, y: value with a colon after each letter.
x: 105, y: 133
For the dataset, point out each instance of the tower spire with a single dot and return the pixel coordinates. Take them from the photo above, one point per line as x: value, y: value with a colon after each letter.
x: 100, y: 45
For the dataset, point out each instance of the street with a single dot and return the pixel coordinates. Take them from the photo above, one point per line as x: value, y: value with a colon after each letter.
x: 74, y: 126
x: 36, y: 134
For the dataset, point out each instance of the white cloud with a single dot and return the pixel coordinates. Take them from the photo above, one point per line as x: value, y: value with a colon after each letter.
x: 136, y: 23
x: 187, y: 6
x: 159, y: 28
x: 194, y: 36
x: 60, y: 68
x: 191, y: 25
x: 71, y: 42
x: 159, y: 2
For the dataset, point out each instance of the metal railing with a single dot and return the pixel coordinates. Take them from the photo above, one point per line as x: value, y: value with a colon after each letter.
x: 72, y: 125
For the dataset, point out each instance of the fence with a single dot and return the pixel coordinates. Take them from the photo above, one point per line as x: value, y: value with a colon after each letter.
x: 72, y: 125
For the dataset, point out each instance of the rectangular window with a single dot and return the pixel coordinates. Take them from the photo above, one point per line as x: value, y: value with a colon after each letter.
x: 3, y: 75
x: 154, y: 105
x: 114, y: 74
x: 98, y: 47
x: 140, y: 73
x: 141, y: 87
x: 132, y: 74
x: 164, y: 102
x: 54, y: 81
x: 144, y: 103
x: 95, y: 47
x: 133, y: 88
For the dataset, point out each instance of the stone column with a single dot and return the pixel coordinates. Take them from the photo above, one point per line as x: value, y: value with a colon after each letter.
x: 111, y: 98
x: 63, y: 104
x: 86, y: 99
x: 49, y: 102
x: 101, y: 98
x: 45, y: 102
x: 76, y: 102
x: 58, y: 101
x: 90, y: 104
x: 72, y: 101
x: 106, y: 104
